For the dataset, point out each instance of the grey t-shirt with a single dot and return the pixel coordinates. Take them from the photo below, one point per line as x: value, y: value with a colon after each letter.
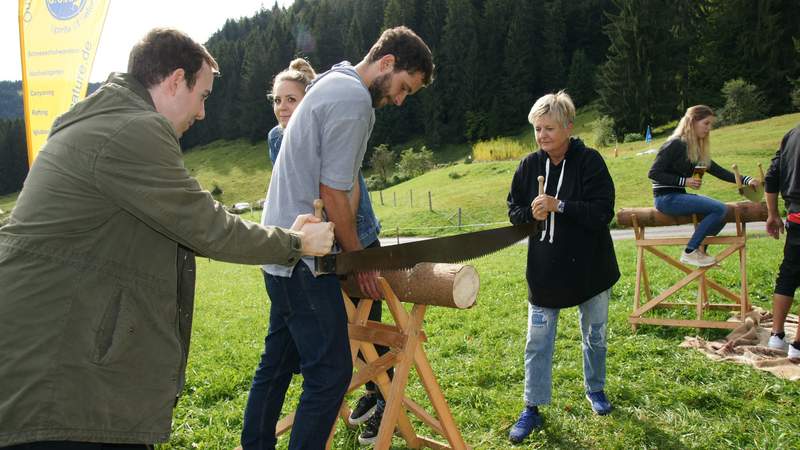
x: 324, y: 142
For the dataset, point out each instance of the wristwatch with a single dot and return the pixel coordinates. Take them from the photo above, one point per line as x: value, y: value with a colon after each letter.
x: 560, y: 207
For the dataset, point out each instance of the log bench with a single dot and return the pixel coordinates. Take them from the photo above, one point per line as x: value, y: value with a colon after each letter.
x: 640, y: 218
x: 444, y: 285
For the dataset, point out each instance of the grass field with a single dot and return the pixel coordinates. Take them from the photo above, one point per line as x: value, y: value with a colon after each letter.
x: 665, y: 397
x: 7, y: 201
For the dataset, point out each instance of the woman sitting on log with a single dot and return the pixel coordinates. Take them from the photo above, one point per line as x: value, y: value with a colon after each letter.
x: 572, y: 262
x: 680, y: 163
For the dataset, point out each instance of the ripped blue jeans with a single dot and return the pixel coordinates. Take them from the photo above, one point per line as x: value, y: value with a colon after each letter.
x: 542, y: 325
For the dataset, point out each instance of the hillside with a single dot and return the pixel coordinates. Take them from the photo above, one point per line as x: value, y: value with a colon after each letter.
x: 480, y: 189
x: 242, y: 170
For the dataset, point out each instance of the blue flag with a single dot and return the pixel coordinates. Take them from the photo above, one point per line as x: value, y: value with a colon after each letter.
x: 648, y: 137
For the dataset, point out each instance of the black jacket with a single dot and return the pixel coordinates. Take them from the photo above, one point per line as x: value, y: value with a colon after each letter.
x: 784, y: 172
x: 672, y: 167
x: 580, y: 262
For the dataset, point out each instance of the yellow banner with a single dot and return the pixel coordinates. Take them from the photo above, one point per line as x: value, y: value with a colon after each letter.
x: 57, y: 40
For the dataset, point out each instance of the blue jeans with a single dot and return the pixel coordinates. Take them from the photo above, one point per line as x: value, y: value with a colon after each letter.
x: 678, y: 204
x: 542, y: 324
x: 307, y: 333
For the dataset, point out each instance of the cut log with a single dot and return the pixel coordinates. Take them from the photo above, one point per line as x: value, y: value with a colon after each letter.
x: 450, y: 285
x: 650, y: 217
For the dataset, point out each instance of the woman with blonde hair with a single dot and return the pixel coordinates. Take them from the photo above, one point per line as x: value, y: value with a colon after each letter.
x: 288, y: 88
x: 572, y: 263
x: 681, y: 162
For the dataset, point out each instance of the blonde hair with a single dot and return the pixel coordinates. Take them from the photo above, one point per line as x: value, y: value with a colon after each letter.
x: 299, y: 71
x: 697, y: 150
x: 559, y: 106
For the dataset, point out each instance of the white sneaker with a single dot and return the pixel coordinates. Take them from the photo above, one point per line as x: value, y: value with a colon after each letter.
x: 777, y: 343
x: 793, y: 353
x: 697, y: 258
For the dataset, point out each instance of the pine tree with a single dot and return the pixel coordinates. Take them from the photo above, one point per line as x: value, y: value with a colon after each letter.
x: 260, y: 63
x: 13, y: 155
x: 521, y: 82
x: 638, y: 81
x: 328, y: 31
x: 400, y: 12
x: 458, y: 67
x: 354, y: 46
x: 580, y: 83
x: 433, y: 15
x: 551, y: 58
x: 494, y: 32
x: 752, y: 39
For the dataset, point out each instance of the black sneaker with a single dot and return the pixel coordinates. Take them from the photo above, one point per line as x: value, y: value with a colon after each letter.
x: 373, y: 425
x: 364, y: 409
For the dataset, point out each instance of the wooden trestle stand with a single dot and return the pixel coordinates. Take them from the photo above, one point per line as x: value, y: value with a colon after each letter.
x: 450, y: 285
x: 639, y: 218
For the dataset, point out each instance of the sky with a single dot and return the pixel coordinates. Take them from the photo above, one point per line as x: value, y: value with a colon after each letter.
x: 127, y: 21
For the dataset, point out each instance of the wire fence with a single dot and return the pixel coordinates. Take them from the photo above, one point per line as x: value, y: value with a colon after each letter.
x: 457, y: 219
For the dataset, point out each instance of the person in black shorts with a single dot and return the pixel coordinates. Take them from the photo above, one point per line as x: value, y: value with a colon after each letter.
x: 782, y: 177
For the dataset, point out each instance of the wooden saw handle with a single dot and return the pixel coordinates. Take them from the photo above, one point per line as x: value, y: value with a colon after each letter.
x: 761, y: 172
x: 541, y: 184
x: 318, y: 205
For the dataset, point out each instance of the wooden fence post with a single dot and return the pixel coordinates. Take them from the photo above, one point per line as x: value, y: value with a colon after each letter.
x: 381, y: 193
x: 430, y: 202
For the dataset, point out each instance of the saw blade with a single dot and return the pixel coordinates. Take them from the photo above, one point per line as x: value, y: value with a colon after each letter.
x: 449, y: 249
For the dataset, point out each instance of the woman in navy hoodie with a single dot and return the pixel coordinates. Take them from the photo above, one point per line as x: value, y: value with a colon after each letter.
x: 572, y: 262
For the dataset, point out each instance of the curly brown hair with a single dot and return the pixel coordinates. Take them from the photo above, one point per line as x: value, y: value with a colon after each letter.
x: 410, y: 52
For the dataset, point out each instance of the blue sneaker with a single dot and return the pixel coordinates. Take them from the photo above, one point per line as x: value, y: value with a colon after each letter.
x: 599, y: 402
x: 528, y: 421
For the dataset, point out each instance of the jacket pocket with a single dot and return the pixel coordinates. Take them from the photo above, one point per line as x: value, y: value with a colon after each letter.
x: 115, y: 326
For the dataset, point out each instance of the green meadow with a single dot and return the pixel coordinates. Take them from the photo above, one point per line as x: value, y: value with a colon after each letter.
x: 665, y: 397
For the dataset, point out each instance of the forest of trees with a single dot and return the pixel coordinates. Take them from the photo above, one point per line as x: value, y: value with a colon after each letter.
x: 10, y: 99
x: 13, y: 155
x: 642, y: 61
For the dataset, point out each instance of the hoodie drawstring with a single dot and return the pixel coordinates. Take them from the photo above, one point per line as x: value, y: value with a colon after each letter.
x: 552, y: 219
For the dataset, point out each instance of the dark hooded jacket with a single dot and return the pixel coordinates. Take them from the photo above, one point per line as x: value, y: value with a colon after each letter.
x: 580, y: 262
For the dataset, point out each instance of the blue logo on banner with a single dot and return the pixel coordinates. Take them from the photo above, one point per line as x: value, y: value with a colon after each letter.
x: 65, y: 9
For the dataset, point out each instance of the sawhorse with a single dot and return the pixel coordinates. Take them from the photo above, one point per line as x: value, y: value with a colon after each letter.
x: 404, y: 340
x: 638, y: 218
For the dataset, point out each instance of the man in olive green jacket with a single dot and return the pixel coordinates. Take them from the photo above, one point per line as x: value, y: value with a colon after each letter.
x: 97, y: 262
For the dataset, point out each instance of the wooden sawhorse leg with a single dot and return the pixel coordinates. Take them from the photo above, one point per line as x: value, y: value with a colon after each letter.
x: 404, y: 341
